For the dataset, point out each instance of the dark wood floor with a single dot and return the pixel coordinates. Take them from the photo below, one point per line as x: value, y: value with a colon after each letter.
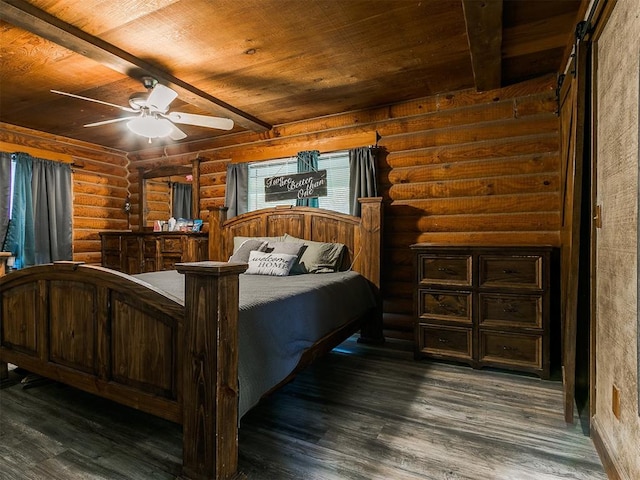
x: 359, y: 413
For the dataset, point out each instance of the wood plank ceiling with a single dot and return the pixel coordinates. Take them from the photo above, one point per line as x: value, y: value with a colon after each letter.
x: 263, y: 62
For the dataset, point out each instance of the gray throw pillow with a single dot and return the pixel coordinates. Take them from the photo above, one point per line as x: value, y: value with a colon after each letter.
x: 290, y: 248
x: 239, y: 240
x: 317, y: 257
x: 241, y: 254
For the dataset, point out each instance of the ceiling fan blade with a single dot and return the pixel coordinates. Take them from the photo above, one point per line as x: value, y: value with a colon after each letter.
x: 113, y: 120
x: 126, y: 109
x: 201, y: 120
x: 160, y: 98
x: 177, y: 134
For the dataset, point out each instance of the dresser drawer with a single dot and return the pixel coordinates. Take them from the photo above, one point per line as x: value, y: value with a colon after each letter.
x: 111, y: 260
x: 510, y: 271
x: 510, y: 349
x: 169, y: 262
x: 171, y: 244
x: 445, y: 341
x: 149, y: 247
x: 445, y: 305
x: 132, y: 244
x: 505, y: 310
x: 445, y: 269
x: 111, y: 242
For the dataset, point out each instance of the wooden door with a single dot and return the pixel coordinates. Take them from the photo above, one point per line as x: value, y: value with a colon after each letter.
x: 572, y: 112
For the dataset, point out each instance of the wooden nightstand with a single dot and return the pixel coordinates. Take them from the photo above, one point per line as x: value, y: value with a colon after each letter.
x: 485, y: 306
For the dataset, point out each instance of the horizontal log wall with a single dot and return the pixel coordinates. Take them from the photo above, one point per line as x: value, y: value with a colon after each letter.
x: 99, y: 185
x: 463, y: 167
x: 479, y: 168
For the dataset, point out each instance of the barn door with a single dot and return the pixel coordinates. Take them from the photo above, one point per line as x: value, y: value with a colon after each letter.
x: 572, y: 129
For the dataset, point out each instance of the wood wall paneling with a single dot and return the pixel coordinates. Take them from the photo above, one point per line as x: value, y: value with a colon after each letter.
x: 99, y: 184
x: 614, y: 328
x: 494, y: 180
x: 467, y: 166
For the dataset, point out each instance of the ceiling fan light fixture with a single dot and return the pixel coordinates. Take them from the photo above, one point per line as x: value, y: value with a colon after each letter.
x: 150, y: 127
x: 152, y: 120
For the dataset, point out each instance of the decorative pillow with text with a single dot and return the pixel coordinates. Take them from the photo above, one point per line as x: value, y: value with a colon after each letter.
x: 275, y: 264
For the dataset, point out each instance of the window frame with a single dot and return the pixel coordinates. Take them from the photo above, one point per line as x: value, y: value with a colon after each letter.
x: 338, y: 177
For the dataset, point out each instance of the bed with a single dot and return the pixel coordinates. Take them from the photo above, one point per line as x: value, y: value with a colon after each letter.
x: 174, y: 353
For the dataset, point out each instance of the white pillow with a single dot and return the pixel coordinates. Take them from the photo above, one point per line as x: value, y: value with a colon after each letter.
x: 275, y: 264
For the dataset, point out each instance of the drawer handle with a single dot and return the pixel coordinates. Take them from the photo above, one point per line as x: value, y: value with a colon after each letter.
x: 507, y: 348
x: 442, y: 305
x: 446, y: 270
x: 509, y: 309
x: 443, y: 340
x: 509, y: 271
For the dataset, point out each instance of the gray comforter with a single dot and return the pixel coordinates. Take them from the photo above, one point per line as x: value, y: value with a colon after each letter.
x: 279, y: 318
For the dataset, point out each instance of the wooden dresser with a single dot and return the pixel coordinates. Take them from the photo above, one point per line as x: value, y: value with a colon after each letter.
x: 486, y: 306
x: 139, y: 252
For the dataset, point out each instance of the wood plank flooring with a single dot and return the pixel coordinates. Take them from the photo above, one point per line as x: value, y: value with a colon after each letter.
x: 360, y: 413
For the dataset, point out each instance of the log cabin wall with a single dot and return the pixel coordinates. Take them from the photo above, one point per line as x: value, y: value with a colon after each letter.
x: 469, y: 167
x: 99, y: 184
x: 480, y: 168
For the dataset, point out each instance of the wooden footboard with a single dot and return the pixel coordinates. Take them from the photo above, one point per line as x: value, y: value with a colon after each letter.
x: 115, y: 336
x: 210, y: 370
x: 109, y: 334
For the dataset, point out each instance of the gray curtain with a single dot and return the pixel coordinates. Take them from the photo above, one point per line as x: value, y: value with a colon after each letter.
x: 51, y: 190
x: 40, y: 226
x: 308, y: 162
x: 237, y: 191
x: 5, y: 194
x: 182, y: 200
x: 362, y: 176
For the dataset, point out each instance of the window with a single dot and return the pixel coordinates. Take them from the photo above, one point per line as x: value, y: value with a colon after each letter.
x: 335, y: 163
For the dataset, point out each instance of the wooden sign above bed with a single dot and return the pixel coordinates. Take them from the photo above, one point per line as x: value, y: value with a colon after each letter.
x: 296, y: 185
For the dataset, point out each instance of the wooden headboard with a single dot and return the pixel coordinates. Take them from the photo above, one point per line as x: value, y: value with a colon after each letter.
x: 361, y: 235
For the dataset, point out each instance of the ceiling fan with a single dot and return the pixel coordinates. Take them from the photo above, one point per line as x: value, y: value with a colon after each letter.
x: 152, y: 118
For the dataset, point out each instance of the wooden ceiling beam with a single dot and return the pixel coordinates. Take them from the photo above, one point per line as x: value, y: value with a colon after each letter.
x: 26, y: 16
x: 483, y: 20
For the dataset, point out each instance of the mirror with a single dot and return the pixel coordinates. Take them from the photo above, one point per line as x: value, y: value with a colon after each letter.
x: 168, y: 197
x: 165, y: 192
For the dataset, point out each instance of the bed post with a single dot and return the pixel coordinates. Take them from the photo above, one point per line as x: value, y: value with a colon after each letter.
x: 210, y: 371
x: 4, y: 368
x: 217, y: 216
x: 370, y: 267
